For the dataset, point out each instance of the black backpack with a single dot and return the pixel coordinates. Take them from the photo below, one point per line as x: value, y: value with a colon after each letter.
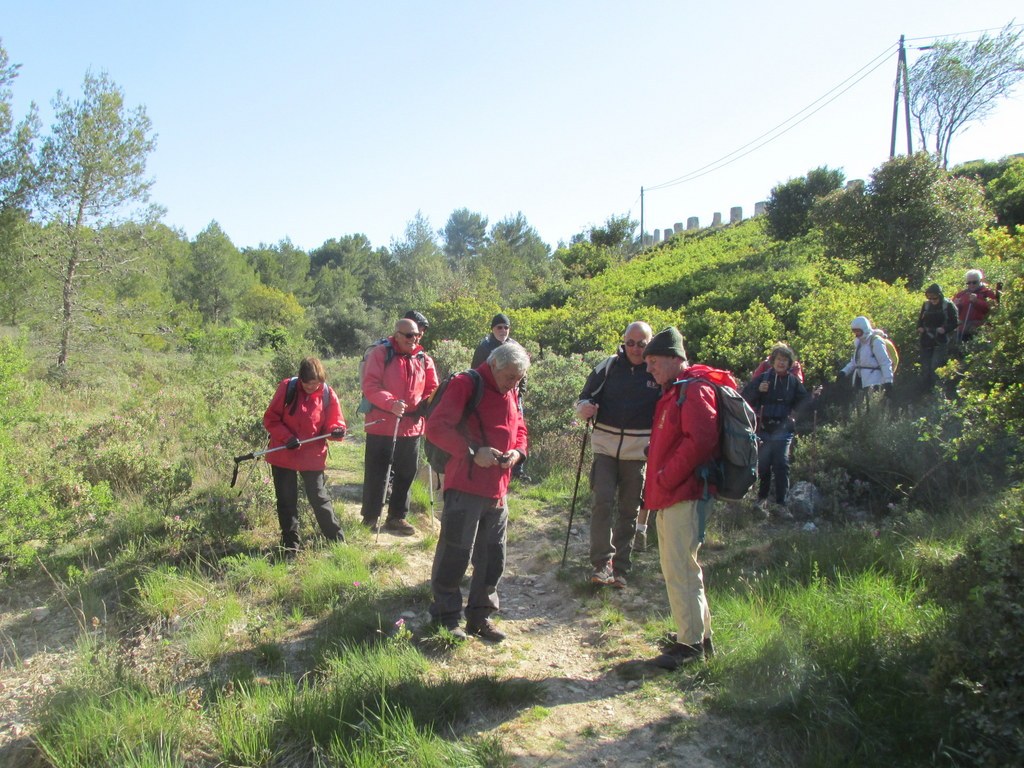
x: 437, y: 457
x: 735, y: 470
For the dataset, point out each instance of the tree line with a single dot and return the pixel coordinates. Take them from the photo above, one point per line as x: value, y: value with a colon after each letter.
x: 85, y: 255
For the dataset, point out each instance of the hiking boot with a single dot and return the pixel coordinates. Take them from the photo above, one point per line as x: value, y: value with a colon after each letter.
x: 640, y: 541
x: 603, y: 576
x: 370, y: 522
x: 619, y: 581
x: 709, y: 648
x: 678, y: 655
x: 399, y: 527
x: 485, y: 630
x: 671, y: 638
x: 290, y: 551
x: 457, y: 632
x: 780, y: 511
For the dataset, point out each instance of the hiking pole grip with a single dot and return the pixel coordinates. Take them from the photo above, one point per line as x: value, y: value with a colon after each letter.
x: 575, y: 492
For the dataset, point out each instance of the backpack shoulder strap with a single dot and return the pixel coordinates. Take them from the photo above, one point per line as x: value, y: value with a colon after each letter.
x: 478, y: 389
x: 604, y: 367
x: 290, y: 394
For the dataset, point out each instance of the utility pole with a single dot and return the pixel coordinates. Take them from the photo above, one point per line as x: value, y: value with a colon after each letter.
x: 643, y: 240
x: 902, y: 80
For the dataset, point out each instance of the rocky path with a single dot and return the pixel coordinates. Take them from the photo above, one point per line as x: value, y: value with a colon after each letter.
x: 581, y: 645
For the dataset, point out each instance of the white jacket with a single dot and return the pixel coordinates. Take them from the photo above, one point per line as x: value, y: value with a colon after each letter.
x: 870, y: 363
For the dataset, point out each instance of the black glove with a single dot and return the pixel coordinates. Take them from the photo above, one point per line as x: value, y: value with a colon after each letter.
x: 840, y: 377
x: 338, y: 433
x: 292, y: 444
x: 887, y: 388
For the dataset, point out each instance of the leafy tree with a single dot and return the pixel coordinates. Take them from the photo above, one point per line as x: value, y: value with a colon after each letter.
x: 911, y: 214
x: 92, y: 169
x: 281, y: 266
x: 421, y: 271
x: 273, y: 312
x: 789, y: 206
x: 957, y: 82
x: 616, y: 232
x: 585, y: 260
x: 519, y: 260
x: 20, y: 278
x: 358, y: 269
x: 217, y: 276
x: 16, y: 142
x: 1006, y: 192
x: 17, y: 278
x: 465, y: 235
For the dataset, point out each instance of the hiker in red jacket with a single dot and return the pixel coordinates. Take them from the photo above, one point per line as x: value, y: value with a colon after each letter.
x: 484, y: 446
x: 683, y: 440
x: 973, y: 304
x: 312, y: 409
x: 398, y: 377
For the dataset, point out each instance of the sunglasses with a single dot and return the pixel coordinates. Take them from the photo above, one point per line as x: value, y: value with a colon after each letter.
x: 410, y: 335
x: 631, y: 343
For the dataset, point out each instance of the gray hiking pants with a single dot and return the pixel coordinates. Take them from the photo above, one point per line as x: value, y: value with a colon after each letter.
x: 617, y: 487
x: 472, y: 529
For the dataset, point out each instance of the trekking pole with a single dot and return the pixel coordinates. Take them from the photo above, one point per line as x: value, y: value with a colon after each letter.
x: 963, y: 325
x: 257, y: 454
x: 575, y: 492
x: 387, y: 477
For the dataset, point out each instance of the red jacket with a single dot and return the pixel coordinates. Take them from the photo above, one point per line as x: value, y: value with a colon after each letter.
x: 682, y: 440
x: 497, y: 423
x: 412, y: 378
x: 973, y: 315
x: 308, y: 420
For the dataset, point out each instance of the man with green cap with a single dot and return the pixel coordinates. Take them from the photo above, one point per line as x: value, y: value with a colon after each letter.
x: 684, y: 439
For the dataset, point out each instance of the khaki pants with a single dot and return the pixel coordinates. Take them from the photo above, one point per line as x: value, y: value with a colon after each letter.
x: 678, y: 542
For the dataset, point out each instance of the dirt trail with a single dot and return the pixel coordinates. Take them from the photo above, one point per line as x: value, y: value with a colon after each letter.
x: 595, y: 711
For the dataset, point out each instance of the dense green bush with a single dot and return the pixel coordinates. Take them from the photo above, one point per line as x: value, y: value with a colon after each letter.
x: 980, y: 670
x: 554, y: 384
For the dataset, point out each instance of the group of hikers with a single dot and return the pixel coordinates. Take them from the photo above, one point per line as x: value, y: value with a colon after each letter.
x: 650, y: 440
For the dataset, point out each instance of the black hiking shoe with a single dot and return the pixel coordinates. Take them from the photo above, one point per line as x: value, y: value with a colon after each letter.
x: 678, y: 655
x: 485, y: 630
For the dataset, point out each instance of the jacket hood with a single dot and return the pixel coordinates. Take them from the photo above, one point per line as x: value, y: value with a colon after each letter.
x: 934, y: 290
x: 861, y: 323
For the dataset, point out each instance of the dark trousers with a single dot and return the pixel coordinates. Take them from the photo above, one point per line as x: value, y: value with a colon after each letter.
x: 773, y: 459
x: 286, y: 487
x: 617, y: 487
x: 375, y: 475
x: 472, y: 529
x: 932, y: 358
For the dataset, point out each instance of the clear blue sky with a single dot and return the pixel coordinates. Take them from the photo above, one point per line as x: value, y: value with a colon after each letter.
x: 312, y: 120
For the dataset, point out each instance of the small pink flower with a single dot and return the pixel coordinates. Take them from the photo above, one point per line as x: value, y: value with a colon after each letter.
x: 357, y: 583
x: 400, y: 623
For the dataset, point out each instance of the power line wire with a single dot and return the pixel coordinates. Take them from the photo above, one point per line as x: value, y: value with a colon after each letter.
x: 715, y: 165
x: 971, y: 32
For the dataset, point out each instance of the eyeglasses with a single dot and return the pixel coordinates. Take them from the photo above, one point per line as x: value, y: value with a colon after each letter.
x: 410, y: 335
x: 631, y: 343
